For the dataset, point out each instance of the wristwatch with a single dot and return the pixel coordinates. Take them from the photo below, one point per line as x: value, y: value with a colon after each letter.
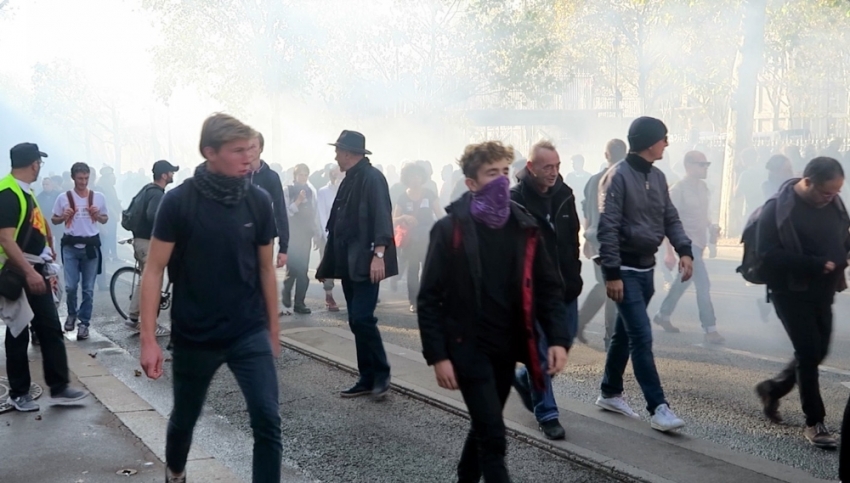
x: 380, y: 255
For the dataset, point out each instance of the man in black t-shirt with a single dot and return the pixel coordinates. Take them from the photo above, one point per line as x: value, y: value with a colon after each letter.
x: 803, y: 241
x: 479, y: 300
x: 23, y: 246
x: 225, y: 295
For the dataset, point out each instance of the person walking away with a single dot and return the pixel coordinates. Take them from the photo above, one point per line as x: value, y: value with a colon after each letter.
x: 361, y: 252
x: 24, y: 251
x: 300, y: 202
x: 414, y: 214
x: 142, y: 214
x: 324, y: 203
x: 578, y: 178
x: 266, y: 178
x: 80, y: 210
x: 542, y: 192
x: 488, y: 288
x: 636, y: 215
x: 803, y: 243
x: 615, y: 151
x: 225, y: 295
x: 690, y: 196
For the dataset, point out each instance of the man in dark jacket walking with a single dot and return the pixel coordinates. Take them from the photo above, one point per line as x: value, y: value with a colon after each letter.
x: 266, y: 178
x: 635, y: 215
x: 361, y: 252
x: 542, y: 191
x: 803, y: 241
x: 487, y: 279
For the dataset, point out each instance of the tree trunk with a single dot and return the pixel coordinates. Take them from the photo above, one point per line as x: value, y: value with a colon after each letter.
x: 739, y: 127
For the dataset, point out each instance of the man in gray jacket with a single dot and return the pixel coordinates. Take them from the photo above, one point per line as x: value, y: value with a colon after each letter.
x: 635, y: 215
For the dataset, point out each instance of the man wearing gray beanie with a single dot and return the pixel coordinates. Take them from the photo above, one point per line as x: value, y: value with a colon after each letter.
x: 635, y: 216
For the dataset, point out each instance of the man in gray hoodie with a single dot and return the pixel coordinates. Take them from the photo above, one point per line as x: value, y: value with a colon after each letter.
x: 636, y: 214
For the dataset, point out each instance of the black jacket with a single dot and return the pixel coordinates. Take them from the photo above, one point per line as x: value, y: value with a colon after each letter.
x: 555, y: 212
x: 361, y: 219
x: 449, y: 302
x: 267, y: 179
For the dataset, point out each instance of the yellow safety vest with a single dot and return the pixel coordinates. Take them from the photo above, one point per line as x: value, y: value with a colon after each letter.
x: 10, y: 183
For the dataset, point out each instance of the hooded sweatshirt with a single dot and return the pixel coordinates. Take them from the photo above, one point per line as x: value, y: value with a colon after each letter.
x: 267, y: 179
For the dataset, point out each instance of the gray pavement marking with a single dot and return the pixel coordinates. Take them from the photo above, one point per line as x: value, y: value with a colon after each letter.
x: 753, y: 355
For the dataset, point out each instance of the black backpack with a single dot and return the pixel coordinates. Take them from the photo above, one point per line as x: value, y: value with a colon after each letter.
x: 134, y: 215
x: 752, y: 264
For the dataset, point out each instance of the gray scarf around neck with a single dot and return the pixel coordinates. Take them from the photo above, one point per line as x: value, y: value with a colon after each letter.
x: 222, y: 189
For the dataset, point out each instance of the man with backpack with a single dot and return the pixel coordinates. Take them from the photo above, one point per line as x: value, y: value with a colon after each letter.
x: 225, y: 295
x: 802, y: 243
x: 80, y: 210
x: 138, y: 218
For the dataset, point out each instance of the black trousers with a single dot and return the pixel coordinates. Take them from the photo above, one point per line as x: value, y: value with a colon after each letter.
x: 809, y: 326
x: 297, y: 263
x: 486, y: 444
x: 47, y: 327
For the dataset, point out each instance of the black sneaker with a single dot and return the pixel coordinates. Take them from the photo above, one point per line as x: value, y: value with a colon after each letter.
x: 82, y: 332
x: 381, y: 389
x: 68, y: 397
x: 302, y: 309
x: 552, y: 429
x: 356, y: 391
x: 70, y: 323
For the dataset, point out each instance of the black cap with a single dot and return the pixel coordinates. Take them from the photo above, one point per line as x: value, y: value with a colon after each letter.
x: 645, y: 132
x: 162, y: 166
x: 25, y: 154
x: 352, y: 141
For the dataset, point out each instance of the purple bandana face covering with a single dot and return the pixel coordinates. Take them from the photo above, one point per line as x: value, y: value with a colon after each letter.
x: 491, y: 205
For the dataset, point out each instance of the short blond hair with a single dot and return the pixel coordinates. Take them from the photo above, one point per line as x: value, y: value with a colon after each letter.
x: 477, y: 155
x: 220, y: 129
x: 542, y: 144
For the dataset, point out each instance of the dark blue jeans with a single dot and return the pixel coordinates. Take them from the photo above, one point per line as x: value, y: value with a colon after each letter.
x: 252, y: 363
x: 545, y: 407
x: 361, y: 299
x: 79, y: 269
x: 633, y: 335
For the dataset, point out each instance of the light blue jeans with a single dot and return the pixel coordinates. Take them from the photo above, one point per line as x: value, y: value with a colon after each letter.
x: 79, y: 268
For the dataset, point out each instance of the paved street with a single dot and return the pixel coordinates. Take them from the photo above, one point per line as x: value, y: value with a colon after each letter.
x: 710, y: 387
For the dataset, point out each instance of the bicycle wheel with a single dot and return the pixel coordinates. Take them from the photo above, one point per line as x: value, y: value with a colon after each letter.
x: 123, y: 288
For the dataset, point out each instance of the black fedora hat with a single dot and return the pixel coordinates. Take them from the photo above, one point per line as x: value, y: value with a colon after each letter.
x: 352, y: 141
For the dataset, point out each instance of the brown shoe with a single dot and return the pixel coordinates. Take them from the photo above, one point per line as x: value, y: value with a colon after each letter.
x: 819, y: 436
x: 665, y: 324
x: 713, y: 338
x: 770, y: 405
x: 331, y: 303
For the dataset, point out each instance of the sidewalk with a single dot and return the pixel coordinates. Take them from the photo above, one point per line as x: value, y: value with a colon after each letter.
x: 625, y: 448
x: 110, y: 431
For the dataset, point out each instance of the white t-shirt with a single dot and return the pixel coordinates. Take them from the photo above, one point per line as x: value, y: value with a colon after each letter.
x: 82, y: 224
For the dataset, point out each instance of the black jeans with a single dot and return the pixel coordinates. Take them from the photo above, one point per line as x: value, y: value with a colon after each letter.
x: 47, y: 327
x: 361, y: 299
x: 414, y: 257
x: 297, y: 264
x: 809, y: 326
x: 486, y: 444
x: 251, y: 361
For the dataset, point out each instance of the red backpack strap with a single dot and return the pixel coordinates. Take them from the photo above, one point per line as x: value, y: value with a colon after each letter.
x: 457, y: 235
x: 91, y: 198
x: 71, y: 203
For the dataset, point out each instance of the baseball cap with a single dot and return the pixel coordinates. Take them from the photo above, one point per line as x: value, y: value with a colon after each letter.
x: 162, y: 166
x: 25, y: 154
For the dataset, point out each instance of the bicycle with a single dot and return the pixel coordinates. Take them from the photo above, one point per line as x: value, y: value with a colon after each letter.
x: 129, y: 276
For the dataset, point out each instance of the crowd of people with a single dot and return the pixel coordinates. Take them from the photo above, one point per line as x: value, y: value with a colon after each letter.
x: 492, y: 261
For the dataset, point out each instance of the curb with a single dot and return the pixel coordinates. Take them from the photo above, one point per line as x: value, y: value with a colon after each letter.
x: 571, y: 452
x: 139, y: 417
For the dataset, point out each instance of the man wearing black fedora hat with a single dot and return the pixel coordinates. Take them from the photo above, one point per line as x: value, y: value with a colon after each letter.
x: 361, y: 252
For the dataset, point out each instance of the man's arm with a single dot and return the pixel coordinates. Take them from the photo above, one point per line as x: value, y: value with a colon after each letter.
x: 549, y: 300
x: 430, y: 302
x: 15, y: 256
x: 268, y: 281
x: 158, y: 255
x: 673, y: 228
x: 59, y: 213
x: 611, y: 198
x: 281, y: 219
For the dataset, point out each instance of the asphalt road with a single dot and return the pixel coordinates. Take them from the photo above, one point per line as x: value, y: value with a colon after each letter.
x: 328, y: 438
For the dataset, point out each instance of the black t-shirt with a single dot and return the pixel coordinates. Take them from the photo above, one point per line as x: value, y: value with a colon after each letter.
x: 217, y: 292
x: 422, y: 210
x: 500, y: 325
x: 10, y: 213
x: 820, y: 235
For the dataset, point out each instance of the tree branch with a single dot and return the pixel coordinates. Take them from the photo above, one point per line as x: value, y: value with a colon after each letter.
x: 3, y: 3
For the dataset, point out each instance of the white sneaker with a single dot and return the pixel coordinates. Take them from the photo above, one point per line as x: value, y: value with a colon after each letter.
x: 665, y: 420
x: 616, y: 405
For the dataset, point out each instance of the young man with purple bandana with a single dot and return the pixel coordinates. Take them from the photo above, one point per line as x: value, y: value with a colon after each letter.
x: 487, y: 278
